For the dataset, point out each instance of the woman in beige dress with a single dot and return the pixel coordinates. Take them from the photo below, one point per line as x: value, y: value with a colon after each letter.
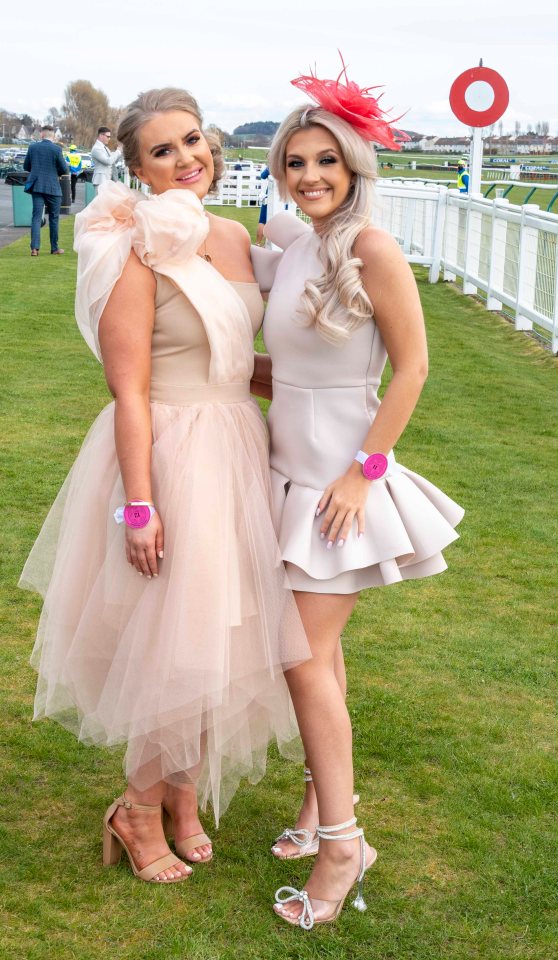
x: 168, y: 632
x: 348, y: 515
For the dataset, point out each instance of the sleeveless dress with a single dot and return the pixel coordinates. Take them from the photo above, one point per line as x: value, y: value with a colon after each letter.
x: 185, y: 669
x: 325, y: 398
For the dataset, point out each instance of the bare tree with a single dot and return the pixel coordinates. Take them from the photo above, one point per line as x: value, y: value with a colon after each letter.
x: 85, y: 109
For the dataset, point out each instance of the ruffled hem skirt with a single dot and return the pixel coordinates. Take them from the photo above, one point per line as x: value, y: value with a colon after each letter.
x: 408, y: 523
x: 186, y: 669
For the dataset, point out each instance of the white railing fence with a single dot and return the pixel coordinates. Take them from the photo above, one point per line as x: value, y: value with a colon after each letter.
x: 507, y: 254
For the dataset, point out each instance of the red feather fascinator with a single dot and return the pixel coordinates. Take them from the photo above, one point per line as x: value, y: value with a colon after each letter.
x: 355, y: 105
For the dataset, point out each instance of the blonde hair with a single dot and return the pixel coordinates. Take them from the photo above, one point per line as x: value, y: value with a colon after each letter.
x: 145, y: 107
x: 336, y: 303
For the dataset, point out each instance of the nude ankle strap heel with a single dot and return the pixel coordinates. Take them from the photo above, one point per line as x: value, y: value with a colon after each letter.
x: 113, y: 845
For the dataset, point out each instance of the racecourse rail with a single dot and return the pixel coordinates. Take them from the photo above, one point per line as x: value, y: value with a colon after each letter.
x: 505, y: 253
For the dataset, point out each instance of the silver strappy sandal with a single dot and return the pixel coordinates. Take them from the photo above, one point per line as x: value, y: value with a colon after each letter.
x: 306, y: 840
x: 307, y: 919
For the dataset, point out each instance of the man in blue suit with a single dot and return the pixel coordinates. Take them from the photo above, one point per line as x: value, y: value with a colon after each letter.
x: 45, y: 164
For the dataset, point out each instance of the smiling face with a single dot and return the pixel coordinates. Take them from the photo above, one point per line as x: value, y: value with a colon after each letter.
x: 318, y: 178
x: 174, y: 154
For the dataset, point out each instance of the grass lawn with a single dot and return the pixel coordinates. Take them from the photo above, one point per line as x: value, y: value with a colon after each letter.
x: 452, y: 685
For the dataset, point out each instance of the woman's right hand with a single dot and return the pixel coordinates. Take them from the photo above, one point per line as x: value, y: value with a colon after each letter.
x: 144, y: 547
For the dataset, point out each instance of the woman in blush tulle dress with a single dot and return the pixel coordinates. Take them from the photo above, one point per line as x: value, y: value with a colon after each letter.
x: 348, y: 515
x: 168, y: 631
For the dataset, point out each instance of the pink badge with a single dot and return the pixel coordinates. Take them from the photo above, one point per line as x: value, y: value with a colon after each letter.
x: 137, y: 515
x: 375, y: 466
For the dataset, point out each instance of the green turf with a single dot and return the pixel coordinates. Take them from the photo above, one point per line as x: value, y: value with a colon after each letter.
x: 452, y: 685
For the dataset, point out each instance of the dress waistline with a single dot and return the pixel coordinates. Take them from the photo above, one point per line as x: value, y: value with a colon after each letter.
x: 178, y: 395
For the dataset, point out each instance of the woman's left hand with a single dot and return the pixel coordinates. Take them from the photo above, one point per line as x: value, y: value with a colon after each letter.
x: 343, y: 501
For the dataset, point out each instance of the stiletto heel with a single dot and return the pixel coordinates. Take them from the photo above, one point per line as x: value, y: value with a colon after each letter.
x: 306, y: 840
x: 359, y: 902
x: 113, y: 845
x: 307, y: 919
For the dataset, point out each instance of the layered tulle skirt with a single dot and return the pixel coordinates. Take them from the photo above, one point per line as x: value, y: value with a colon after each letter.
x: 186, y: 669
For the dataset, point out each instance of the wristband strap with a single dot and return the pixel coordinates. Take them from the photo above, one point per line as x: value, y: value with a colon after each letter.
x: 135, y: 514
x: 373, y: 465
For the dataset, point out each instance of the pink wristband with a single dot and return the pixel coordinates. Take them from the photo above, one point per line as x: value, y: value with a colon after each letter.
x: 373, y: 466
x: 135, y: 514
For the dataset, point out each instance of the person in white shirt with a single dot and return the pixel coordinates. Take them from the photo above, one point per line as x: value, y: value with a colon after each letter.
x: 103, y: 158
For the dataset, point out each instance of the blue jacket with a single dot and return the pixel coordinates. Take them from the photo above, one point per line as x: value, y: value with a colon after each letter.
x: 45, y: 163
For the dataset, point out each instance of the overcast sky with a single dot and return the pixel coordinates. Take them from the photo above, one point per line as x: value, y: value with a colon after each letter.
x: 237, y: 58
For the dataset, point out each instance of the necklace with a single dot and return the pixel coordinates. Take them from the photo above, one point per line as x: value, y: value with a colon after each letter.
x: 205, y: 254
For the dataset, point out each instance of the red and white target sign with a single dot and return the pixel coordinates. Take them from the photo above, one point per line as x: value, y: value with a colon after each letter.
x: 479, y: 97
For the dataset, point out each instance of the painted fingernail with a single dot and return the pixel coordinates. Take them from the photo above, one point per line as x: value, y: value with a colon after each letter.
x: 140, y: 573
x: 360, y: 536
x: 329, y: 544
x: 155, y: 574
x: 322, y: 536
x: 160, y: 554
x: 340, y: 543
x: 318, y: 511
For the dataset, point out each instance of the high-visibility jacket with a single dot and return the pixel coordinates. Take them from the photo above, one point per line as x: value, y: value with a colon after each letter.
x: 74, y: 160
x: 463, y: 181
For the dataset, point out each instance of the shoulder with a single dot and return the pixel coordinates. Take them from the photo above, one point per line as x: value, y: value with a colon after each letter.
x: 234, y: 231
x: 136, y: 282
x: 377, y: 247
x: 285, y: 229
x: 136, y: 272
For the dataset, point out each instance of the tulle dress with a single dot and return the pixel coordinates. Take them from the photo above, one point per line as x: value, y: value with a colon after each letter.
x: 325, y: 398
x: 186, y: 670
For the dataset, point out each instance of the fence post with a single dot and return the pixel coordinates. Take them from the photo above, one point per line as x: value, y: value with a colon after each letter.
x: 554, y: 341
x: 527, y: 268
x: 497, y: 262
x: 451, y: 238
x: 438, y: 235
x: 472, y: 244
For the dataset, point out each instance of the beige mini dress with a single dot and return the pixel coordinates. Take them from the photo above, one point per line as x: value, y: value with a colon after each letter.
x: 325, y: 398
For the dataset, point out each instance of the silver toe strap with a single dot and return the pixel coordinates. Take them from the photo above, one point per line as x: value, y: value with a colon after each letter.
x: 306, y: 918
x: 300, y: 837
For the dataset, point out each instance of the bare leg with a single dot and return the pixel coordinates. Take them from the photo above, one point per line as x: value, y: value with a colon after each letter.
x: 326, y: 732
x: 142, y: 831
x: 308, y: 815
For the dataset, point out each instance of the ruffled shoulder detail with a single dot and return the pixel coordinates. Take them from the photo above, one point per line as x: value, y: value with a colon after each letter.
x: 102, y: 241
x: 165, y: 231
x: 169, y: 229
